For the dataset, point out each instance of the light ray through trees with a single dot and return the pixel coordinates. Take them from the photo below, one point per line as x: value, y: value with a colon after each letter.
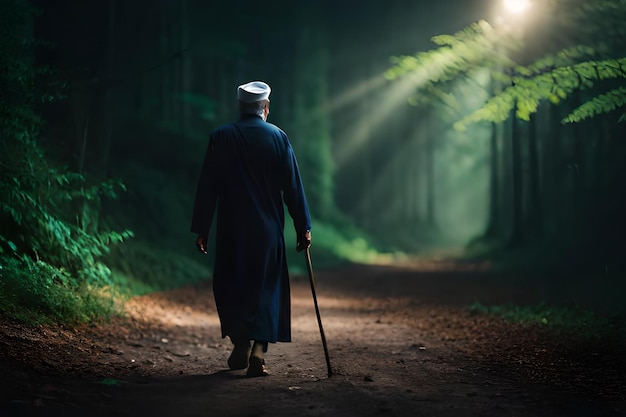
x: 382, y: 97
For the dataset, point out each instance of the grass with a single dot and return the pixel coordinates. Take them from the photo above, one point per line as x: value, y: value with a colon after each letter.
x: 34, y: 292
x: 572, y: 319
x: 332, y: 247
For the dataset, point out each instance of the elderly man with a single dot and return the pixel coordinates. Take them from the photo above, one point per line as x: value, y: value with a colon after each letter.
x: 248, y: 171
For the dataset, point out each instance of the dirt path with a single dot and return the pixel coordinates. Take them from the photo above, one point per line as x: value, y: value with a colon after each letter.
x: 402, y: 343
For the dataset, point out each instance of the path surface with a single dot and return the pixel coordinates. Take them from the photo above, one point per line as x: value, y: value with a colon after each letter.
x: 402, y: 343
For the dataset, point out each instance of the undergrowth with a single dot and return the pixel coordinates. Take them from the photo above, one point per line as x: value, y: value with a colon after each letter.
x: 51, y: 241
x: 35, y: 292
x: 140, y: 267
x: 569, y: 319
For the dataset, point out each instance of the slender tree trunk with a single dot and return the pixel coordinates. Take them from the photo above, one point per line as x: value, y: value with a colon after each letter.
x: 494, y: 222
x: 410, y: 185
x: 535, y: 216
x: 417, y: 180
x: 366, y: 167
x: 108, y: 93
x: 430, y: 171
x: 494, y: 184
x: 548, y: 178
x: 517, y: 233
x: 578, y: 166
x: 174, y: 68
x: 396, y: 216
x: 185, y: 64
x: 313, y: 126
x: 165, y: 76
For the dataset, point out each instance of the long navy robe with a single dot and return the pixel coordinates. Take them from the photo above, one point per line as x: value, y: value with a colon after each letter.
x: 248, y: 171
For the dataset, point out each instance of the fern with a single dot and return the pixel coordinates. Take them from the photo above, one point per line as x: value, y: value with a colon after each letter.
x: 556, y: 85
x: 50, y: 247
x: 553, y: 77
x: 604, y: 103
x: 457, y: 54
x: 567, y: 56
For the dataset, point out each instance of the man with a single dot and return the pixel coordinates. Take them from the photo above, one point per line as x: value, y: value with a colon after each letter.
x: 248, y: 171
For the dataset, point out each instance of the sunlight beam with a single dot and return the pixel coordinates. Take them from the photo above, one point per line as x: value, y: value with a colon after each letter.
x: 382, y: 104
x: 356, y: 93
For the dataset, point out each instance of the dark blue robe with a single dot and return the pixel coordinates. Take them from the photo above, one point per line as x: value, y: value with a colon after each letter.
x: 248, y: 171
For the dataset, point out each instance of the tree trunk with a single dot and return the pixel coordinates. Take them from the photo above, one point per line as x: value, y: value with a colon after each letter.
x: 108, y: 93
x: 493, y: 222
x: 535, y: 215
x: 185, y: 65
x: 517, y: 209
x: 165, y: 79
x: 430, y: 171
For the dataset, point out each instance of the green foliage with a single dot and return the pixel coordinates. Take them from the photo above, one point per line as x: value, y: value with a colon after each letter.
x: 37, y: 292
x: 333, y: 244
x: 462, y: 56
x: 49, y: 214
x: 526, y: 93
x: 553, y: 78
x: 562, y: 58
x: 604, y: 103
x: 457, y: 54
x: 50, y: 247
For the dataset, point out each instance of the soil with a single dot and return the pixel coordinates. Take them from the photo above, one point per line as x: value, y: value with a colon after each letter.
x: 401, y: 340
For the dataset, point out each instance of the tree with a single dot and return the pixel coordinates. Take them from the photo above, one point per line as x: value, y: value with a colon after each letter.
x: 587, y: 78
x: 50, y: 259
x: 311, y: 124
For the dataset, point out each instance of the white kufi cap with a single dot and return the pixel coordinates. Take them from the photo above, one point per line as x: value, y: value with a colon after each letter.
x: 253, y: 91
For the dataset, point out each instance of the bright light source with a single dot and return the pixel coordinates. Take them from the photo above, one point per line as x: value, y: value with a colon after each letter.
x: 517, y: 6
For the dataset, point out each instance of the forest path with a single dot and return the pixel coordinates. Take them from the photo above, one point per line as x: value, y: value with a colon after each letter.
x: 402, y: 342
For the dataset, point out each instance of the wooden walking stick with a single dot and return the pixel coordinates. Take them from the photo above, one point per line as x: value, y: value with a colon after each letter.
x: 307, y: 255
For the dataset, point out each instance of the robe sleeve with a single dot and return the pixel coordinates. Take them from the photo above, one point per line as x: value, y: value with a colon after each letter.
x: 293, y: 194
x: 206, y: 194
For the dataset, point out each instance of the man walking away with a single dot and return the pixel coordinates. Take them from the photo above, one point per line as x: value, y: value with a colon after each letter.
x: 249, y: 170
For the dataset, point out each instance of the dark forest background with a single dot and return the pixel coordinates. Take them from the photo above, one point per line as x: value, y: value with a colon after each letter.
x: 107, y: 107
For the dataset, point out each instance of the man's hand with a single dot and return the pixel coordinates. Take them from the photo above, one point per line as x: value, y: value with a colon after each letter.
x: 304, y: 241
x: 201, y: 243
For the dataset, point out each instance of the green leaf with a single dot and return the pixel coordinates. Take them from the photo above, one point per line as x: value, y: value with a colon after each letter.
x: 605, y: 103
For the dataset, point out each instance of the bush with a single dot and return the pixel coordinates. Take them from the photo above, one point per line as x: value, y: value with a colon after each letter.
x: 36, y: 292
x: 50, y: 244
